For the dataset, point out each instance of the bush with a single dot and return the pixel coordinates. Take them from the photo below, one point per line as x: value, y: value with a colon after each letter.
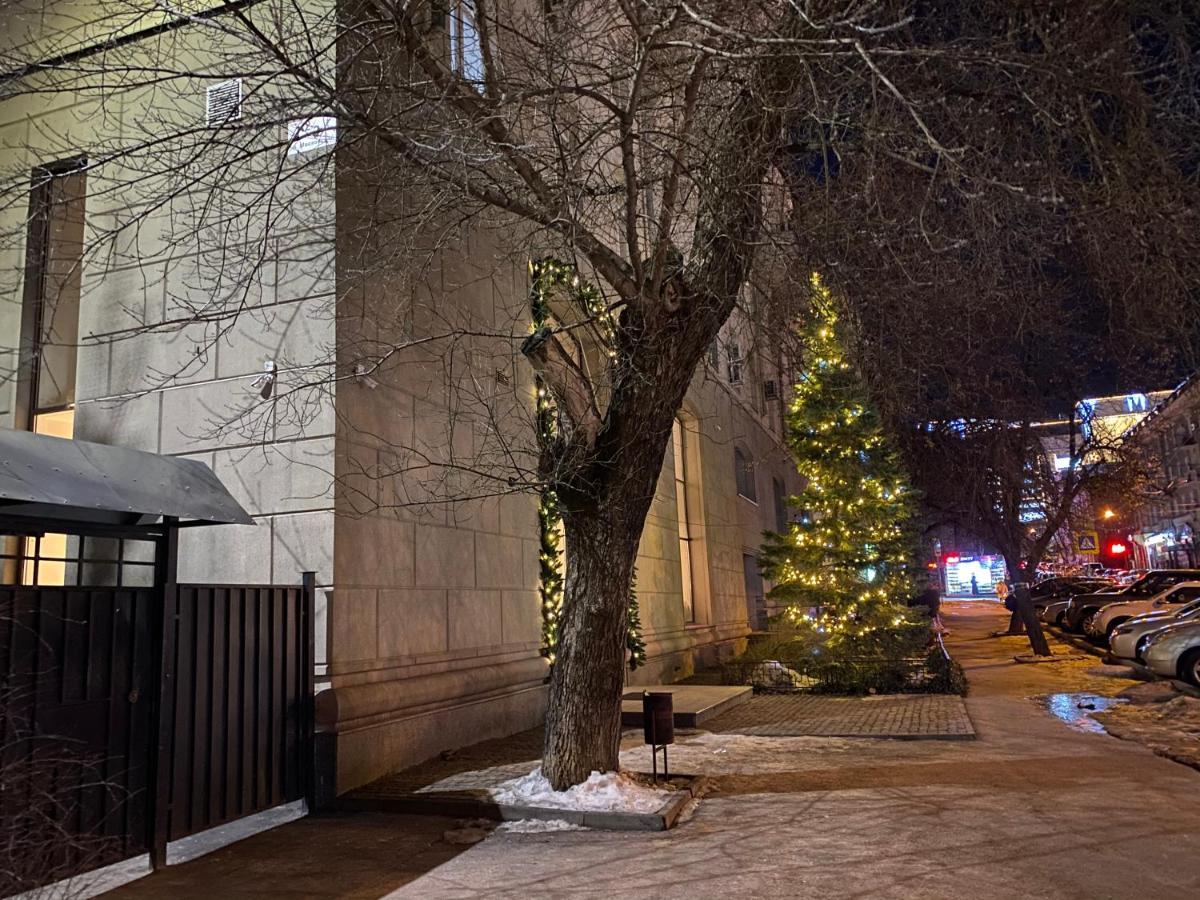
x: 944, y: 675
x: 889, y: 662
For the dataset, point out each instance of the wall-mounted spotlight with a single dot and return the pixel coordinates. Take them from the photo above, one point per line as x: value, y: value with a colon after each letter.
x: 265, y: 382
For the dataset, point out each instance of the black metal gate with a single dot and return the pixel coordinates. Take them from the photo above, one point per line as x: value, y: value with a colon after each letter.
x: 134, y: 716
x: 237, y: 703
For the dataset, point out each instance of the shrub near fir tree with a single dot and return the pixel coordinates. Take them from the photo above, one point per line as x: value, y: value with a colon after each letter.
x: 841, y: 568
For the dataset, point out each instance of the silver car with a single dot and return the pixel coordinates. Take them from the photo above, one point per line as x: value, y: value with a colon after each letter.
x: 1174, y: 651
x: 1123, y: 642
x: 1052, y: 613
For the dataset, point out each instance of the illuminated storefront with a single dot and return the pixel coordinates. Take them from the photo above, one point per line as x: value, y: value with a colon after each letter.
x: 958, y: 570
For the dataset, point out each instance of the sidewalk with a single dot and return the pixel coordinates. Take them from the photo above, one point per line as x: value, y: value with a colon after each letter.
x: 1031, y: 808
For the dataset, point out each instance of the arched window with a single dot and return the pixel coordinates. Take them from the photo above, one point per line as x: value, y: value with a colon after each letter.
x: 744, y: 474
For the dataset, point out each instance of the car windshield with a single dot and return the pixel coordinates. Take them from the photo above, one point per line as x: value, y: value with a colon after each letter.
x: 1148, y: 585
x: 1047, y: 587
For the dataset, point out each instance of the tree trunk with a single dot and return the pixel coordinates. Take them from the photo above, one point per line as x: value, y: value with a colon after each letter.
x: 583, y: 722
x: 1025, y: 613
x: 1033, y: 628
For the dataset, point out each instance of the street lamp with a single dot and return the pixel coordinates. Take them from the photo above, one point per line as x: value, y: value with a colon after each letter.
x: 1108, y: 513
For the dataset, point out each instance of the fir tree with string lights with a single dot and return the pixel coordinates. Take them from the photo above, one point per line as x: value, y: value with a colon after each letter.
x: 841, y: 567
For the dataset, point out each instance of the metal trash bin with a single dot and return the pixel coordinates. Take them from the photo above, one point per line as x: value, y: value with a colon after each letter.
x: 658, y: 725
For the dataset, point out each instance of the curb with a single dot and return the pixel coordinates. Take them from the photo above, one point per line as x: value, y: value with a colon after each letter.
x: 1138, y: 670
x: 1076, y: 641
x: 479, y: 805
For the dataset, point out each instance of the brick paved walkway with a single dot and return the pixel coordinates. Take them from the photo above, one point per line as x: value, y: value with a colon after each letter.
x: 886, y: 716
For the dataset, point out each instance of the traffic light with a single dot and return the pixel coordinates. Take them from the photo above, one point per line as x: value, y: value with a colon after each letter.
x: 1117, y: 548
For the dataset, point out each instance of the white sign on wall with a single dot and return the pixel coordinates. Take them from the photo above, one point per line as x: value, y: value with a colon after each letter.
x: 306, y: 135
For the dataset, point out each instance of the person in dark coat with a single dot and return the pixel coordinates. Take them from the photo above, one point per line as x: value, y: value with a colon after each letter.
x: 931, y: 599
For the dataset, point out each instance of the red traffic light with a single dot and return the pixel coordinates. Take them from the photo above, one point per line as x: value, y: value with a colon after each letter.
x: 1117, y: 548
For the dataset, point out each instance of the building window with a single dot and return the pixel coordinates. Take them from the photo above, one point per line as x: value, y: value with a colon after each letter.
x: 780, y: 492
x: 756, y: 604
x: 744, y: 473
x: 45, y: 401
x: 50, y: 301
x: 466, y: 46
x: 687, y: 574
x: 735, y: 363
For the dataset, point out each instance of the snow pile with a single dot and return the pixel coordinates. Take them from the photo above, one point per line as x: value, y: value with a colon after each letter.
x: 1183, y: 712
x: 539, y: 826
x: 602, y: 792
x: 772, y: 675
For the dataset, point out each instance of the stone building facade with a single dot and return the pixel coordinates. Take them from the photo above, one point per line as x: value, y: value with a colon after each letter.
x: 171, y: 309
x: 1169, y: 438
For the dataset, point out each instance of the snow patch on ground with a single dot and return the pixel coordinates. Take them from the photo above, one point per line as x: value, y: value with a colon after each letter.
x: 602, y: 792
x: 539, y: 826
x: 772, y: 675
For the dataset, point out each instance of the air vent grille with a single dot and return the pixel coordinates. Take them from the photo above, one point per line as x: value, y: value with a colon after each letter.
x: 223, y: 102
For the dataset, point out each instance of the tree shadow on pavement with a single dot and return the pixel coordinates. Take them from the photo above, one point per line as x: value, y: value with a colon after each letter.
x: 345, y: 855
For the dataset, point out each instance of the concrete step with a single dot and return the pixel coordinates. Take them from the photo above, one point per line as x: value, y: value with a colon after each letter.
x: 693, y: 704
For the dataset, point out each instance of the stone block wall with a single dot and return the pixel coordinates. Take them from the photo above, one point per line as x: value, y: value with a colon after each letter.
x: 186, y: 291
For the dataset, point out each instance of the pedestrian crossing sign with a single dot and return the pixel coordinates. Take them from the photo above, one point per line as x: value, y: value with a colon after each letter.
x: 1088, y: 543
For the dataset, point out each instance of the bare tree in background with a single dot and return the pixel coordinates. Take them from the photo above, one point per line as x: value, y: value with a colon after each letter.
x: 652, y: 145
x: 1003, y: 482
x: 1039, y: 256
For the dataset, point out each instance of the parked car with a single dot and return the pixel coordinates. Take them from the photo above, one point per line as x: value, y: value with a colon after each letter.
x: 1174, y: 651
x: 1124, y: 641
x: 1063, y: 587
x: 1103, y: 623
x: 1052, y: 613
x: 1052, y: 610
x: 1082, y: 608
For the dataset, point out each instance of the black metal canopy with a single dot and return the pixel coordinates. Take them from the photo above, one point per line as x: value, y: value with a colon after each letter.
x: 53, y: 484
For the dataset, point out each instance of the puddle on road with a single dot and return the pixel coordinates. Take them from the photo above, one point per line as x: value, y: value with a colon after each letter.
x: 1077, y: 709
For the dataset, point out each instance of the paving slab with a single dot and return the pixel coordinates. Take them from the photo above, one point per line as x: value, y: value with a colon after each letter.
x: 693, y: 704
x: 897, y: 716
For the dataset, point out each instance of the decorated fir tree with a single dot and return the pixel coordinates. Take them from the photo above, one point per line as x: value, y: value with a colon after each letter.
x: 841, y: 566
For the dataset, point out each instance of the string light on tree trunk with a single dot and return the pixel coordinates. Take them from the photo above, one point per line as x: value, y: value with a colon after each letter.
x: 549, y: 276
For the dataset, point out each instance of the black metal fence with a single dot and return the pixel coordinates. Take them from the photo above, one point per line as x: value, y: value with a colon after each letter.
x: 237, y: 689
x: 791, y: 666
x: 76, y: 718
x: 134, y: 716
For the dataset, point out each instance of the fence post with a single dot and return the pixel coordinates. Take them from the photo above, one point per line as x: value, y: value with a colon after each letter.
x: 308, y: 582
x: 161, y: 758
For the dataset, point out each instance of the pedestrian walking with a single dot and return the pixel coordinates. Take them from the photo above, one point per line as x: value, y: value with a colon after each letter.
x: 974, y: 587
x: 1015, y: 625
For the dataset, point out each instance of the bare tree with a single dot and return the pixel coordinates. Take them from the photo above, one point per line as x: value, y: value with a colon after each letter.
x: 983, y: 280
x: 654, y: 146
